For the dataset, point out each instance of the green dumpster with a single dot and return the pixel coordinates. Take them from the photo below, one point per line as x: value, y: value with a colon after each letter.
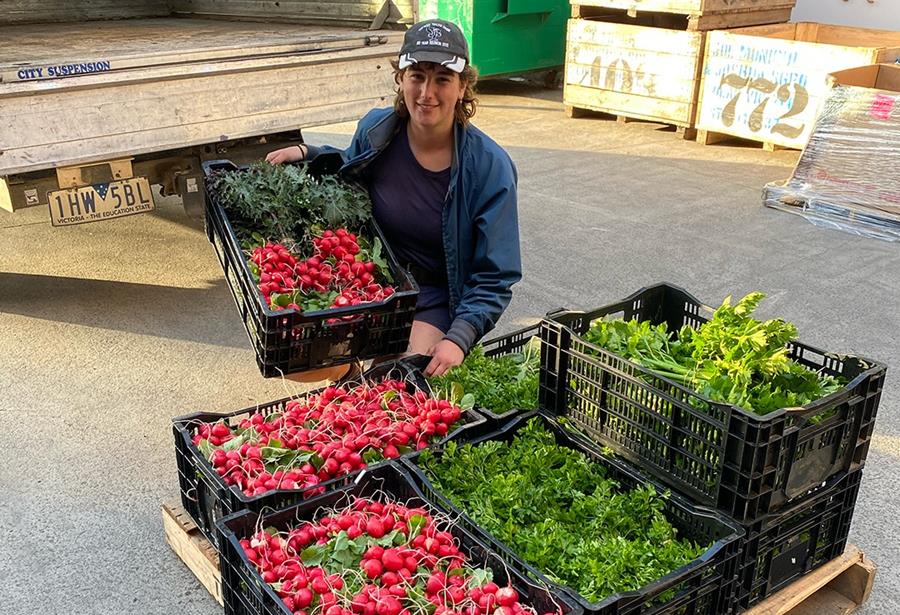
x: 507, y: 36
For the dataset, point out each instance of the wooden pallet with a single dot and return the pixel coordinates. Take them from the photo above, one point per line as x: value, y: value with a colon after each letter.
x: 194, y: 550
x: 687, y: 133
x: 709, y: 137
x: 837, y: 588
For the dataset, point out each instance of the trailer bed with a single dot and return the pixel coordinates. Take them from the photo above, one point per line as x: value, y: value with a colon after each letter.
x: 134, y: 43
x: 75, y: 93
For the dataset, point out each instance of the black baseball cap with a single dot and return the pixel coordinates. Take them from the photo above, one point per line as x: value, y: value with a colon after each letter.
x: 435, y: 40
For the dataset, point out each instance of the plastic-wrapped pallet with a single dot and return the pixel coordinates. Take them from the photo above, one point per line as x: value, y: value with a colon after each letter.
x: 847, y: 176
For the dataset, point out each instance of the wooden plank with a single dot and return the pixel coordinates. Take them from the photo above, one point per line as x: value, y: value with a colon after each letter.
x: 690, y: 7
x: 728, y: 6
x: 617, y: 103
x: 685, y: 21
x: 382, y: 44
x: 837, y: 588
x: 153, y: 114
x: 194, y: 550
x: 705, y: 137
x: 770, y: 89
x: 45, y: 118
x: 632, y: 71
x: 863, y: 37
x: 43, y: 11
x: 738, y: 19
x: 875, y: 76
x: 154, y: 42
x: 660, y: 42
x: 709, y: 137
x: 571, y: 112
x: 687, y: 133
x: 625, y: 78
x: 787, y: 31
x: 358, y: 12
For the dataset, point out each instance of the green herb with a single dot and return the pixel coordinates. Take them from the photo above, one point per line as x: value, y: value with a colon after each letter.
x: 560, y: 512
x: 284, y: 203
x: 732, y: 358
x: 502, y: 383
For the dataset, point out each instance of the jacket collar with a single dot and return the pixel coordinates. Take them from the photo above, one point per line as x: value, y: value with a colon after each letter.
x: 382, y: 131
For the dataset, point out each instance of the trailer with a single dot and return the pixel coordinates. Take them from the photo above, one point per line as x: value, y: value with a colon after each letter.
x: 102, y: 100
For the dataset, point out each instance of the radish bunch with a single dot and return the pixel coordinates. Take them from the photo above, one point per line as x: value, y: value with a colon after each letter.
x: 338, y: 274
x: 323, y: 436
x: 373, y: 558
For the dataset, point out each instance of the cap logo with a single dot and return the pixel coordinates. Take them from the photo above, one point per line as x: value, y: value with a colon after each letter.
x: 433, y: 32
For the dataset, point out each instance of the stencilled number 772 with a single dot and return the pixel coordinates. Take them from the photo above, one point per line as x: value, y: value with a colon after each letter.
x: 783, y: 93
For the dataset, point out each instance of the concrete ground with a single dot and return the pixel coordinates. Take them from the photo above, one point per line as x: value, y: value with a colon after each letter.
x: 109, y: 330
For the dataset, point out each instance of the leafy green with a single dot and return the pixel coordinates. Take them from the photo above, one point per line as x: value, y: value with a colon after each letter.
x: 372, y: 252
x: 309, y: 301
x: 287, y: 203
x: 561, y: 513
x: 502, y: 383
x: 732, y: 358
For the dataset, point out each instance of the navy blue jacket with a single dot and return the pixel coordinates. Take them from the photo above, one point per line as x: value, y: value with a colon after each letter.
x: 480, y: 220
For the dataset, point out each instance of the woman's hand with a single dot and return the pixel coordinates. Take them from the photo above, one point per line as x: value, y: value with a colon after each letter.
x: 287, y: 154
x: 444, y: 355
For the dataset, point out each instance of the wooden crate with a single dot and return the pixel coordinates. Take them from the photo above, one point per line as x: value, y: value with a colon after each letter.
x: 698, y: 14
x: 766, y: 83
x: 633, y: 71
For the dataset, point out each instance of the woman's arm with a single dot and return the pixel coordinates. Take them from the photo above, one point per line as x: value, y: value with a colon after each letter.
x: 288, y: 154
x: 305, y: 151
x: 496, y: 262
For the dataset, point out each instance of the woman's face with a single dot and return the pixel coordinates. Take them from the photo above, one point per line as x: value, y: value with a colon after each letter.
x: 431, y: 92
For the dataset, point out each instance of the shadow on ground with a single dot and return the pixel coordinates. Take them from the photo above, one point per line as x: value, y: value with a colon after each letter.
x: 190, y: 314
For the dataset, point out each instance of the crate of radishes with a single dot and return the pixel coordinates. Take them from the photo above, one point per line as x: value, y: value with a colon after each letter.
x: 312, y: 276
x: 376, y: 547
x: 284, y: 451
x: 582, y: 521
x: 733, y: 411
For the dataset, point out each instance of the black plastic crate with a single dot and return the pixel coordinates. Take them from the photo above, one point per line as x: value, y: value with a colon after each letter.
x: 205, y: 495
x: 706, y: 586
x: 783, y: 547
x: 496, y: 347
x: 288, y: 341
x: 245, y: 593
x: 511, y: 342
x: 504, y: 345
x: 722, y: 456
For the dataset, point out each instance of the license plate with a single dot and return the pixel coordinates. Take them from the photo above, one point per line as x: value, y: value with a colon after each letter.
x: 99, y: 202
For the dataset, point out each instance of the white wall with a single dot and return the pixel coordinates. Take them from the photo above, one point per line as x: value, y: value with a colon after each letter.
x: 882, y: 14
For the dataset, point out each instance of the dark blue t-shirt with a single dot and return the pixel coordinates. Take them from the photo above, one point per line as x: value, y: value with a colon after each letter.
x: 408, y: 203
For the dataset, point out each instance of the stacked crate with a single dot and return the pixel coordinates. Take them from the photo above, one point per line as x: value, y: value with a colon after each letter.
x: 790, y: 478
x: 766, y: 83
x: 642, y: 59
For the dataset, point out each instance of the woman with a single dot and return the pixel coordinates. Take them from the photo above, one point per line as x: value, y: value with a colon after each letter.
x: 442, y: 191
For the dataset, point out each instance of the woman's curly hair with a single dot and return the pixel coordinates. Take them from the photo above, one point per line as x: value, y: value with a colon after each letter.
x: 465, y: 108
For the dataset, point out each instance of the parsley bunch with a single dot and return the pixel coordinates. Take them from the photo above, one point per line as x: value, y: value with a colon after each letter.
x: 561, y: 513
x: 502, y: 383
